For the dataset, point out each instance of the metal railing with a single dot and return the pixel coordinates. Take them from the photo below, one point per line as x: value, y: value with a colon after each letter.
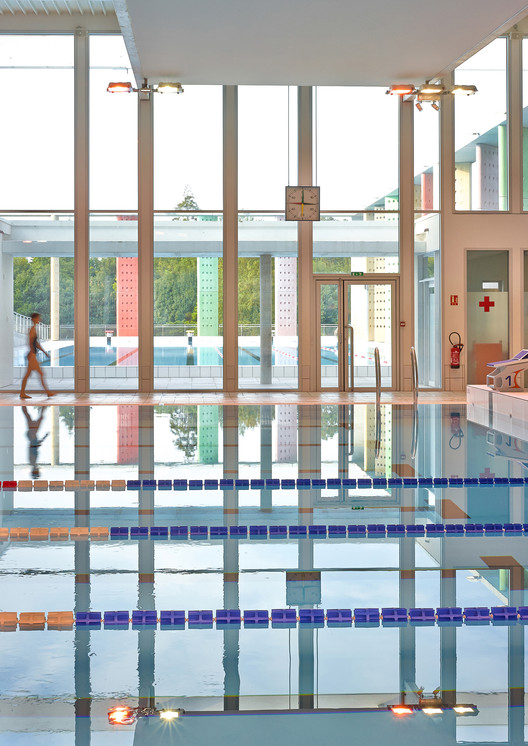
x: 377, y: 365
x: 24, y: 323
x: 414, y: 370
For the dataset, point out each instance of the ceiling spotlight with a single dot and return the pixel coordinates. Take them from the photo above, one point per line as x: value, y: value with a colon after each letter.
x: 401, y: 89
x: 169, y: 88
x: 419, y: 106
x: 435, y: 106
x: 464, y: 90
x: 431, y: 88
x: 120, y: 88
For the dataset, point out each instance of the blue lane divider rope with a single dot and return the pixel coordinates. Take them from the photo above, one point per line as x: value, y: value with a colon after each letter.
x: 370, y: 532
x: 317, y: 531
x: 291, y: 617
x: 362, y: 483
x: 280, y: 618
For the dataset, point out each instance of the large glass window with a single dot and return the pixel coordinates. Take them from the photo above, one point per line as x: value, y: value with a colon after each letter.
x: 36, y: 255
x: 365, y: 243
x: 113, y: 128
x: 525, y: 122
x: 267, y: 303
x: 188, y: 301
x: 267, y: 145
x: 481, y: 144
x: 188, y: 149
x: 427, y: 298
x: 356, y: 154
x: 36, y: 126
x: 426, y: 158
x: 113, y: 301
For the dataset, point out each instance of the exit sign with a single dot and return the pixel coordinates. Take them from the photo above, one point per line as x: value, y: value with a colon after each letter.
x: 357, y: 274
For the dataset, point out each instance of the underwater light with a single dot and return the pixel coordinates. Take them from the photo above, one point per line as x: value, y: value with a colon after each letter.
x: 465, y: 709
x: 170, y: 714
x: 432, y: 710
x: 401, y: 710
x: 121, y: 715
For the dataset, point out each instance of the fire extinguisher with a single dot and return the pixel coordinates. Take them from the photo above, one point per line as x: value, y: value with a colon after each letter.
x: 456, y: 349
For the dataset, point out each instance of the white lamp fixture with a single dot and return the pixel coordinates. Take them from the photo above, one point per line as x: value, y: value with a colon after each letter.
x: 463, y: 90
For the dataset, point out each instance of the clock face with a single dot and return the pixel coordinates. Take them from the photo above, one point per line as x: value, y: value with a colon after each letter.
x: 302, y: 203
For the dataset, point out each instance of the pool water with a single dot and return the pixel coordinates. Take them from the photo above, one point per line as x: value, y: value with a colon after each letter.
x: 109, y: 355
x: 304, y: 682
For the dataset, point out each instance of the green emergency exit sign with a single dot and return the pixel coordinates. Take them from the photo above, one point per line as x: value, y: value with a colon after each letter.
x: 357, y: 274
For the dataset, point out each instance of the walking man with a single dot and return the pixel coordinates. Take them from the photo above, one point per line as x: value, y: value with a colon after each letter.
x: 32, y: 362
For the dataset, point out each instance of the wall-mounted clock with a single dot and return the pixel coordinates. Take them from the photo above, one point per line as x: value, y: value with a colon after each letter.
x: 303, y: 203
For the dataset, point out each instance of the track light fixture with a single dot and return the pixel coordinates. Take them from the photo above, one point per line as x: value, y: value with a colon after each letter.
x: 431, y: 92
x: 401, y: 89
x: 464, y: 90
x: 145, y: 88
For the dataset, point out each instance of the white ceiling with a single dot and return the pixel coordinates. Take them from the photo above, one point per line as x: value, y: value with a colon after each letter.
x: 307, y: 42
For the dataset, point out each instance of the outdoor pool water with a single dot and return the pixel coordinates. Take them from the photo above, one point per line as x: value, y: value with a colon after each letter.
x: 376, y: 582
x: 108, y: 355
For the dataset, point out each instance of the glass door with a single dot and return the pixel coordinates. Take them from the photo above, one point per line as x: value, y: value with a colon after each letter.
x: 353, y: 318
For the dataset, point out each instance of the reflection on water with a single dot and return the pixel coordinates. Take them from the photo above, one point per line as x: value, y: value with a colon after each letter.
x: 68, y: 679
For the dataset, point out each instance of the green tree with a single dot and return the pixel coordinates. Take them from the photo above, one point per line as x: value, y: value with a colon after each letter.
x: 187, y: 203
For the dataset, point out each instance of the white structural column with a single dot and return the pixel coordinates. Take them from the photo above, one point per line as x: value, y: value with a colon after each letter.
x: 285, y: 296
x: 515, y: 184
x: 230, y: 237
x: 405, y: 335
x: 54, y: 306
x: 306, y: 326
x: 82, y: 216
x: 515, y: 123
x: 453, y: 270
x: 145, y: 241
x: 7, y: 339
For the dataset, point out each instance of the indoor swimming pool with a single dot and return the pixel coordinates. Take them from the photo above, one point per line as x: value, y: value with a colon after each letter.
x: 299, y: 573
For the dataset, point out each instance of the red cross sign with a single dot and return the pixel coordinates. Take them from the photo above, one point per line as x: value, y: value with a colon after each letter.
x: 486, y: 304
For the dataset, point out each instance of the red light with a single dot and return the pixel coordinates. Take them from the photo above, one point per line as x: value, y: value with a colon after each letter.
x: 121, y: 715
x: 120, y: 88
x: 401, y: 89
x: 401, y: 710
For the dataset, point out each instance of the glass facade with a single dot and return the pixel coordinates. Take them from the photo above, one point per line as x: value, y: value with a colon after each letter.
x: 268, y: 349
x: 188, y: 301
x: 357, y: 129
x: 481, y: 131
x: 204, y: 195
x: 37, y: 167
x: 113, y: 297
x: 188, y: 149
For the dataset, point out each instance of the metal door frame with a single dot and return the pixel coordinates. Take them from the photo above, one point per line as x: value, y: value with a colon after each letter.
x: 346, y: 377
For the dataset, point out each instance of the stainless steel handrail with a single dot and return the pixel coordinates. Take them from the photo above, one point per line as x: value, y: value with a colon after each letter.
x: 414, y: 368
x: 351, y: 364
x: 377, y: 367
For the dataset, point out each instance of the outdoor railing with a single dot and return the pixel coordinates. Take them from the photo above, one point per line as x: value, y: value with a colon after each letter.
x: 23, y: 325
